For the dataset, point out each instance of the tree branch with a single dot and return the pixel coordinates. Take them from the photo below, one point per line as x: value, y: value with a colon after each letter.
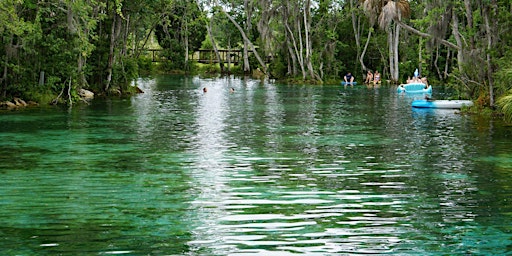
x: 425, y: 35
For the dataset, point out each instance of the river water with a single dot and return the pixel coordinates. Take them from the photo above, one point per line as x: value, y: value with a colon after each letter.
x: 265, y: 170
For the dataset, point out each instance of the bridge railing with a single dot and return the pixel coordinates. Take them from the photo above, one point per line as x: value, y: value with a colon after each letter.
x: 205, y: 56
x: 208, y: 56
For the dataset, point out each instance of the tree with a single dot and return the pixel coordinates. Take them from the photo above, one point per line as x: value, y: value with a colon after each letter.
x: 246, y: 40
x: 390, y: 14
x: 15, y: 32
x: 180, y: 28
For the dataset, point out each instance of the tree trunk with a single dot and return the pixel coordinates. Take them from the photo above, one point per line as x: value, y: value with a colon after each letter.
x: 393, y: 40
x: 214, y: 45
x: 447, y: 64
x: 420, y: 58
x: 125, y: 36
x: 138, y: 50
x: 247, y: 65
x: 148, y: 35
x: 357, y: 35
x: 229, y: 58
x: 185, y: 41
x: 309, y: 50
x: 425, y: 35
x: 110, y: 63
x: 300, y: 53
x: 391, y: 52
x: 291, y: 44
x: 4, y: 79
x: 292, y: 67
x: 469, y: 18
x: 361, y: 58
x: 436, y: 60
x: 456, y: 35
x: 395, y: 76
x: 81, y: 76
x: 490, y: 13
x: 244, y: 36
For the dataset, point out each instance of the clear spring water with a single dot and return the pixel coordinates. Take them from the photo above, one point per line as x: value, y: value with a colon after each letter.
x: 266, y: 170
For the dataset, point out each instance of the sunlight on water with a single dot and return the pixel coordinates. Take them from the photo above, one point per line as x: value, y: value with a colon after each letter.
x: 265, y: 170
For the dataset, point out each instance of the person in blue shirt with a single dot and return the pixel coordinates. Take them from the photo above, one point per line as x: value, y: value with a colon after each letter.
x: 349, y: 78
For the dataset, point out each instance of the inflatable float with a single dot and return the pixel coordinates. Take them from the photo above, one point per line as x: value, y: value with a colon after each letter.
x: 443, y: 104
x: 414, y: 88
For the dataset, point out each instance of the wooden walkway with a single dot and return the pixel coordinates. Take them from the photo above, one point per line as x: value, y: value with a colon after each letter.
x: 205, y: 56
x: 202, y: 56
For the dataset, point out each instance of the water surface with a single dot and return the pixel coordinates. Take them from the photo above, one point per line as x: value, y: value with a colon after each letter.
x: 267, y: 170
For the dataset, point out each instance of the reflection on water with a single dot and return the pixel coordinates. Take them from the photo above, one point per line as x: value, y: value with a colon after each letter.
x: 264, y: 170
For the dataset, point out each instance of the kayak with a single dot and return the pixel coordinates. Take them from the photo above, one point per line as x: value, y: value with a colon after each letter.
x: 348, y: 83
x: 414, y: 88
x: 446, y: 104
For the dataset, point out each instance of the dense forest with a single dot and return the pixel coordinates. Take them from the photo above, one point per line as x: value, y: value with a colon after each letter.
x: 52, y: 49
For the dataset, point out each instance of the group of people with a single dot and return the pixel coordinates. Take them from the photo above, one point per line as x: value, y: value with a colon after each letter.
x: 417, y: 79
x: 370, y: 78
x: 375, y: 79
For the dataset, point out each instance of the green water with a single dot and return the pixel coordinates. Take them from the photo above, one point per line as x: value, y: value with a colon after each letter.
x: 266, y: 170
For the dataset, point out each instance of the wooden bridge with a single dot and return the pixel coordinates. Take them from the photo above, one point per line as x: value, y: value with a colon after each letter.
x: 202, y: 56
x: 205, y: 56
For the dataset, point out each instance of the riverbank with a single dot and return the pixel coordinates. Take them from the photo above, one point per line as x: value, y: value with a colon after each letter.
x: 17, y: 103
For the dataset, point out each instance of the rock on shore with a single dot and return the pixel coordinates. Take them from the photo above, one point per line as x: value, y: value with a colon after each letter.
x: 16, y: 103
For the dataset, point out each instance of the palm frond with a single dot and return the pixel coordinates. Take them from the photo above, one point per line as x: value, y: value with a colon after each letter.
x: 388, y: 13
x: 505, y: 104
x: 372, y: 9
x: 405, y: 9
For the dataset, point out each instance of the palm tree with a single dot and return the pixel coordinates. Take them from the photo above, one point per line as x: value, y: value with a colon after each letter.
x: 505, y: 104
x: 388, y: 14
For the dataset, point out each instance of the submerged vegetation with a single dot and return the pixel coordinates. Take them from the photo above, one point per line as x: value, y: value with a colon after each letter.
x: 53, y: 48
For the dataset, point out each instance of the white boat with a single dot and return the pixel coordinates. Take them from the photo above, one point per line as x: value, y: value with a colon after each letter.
x: 445, y: 104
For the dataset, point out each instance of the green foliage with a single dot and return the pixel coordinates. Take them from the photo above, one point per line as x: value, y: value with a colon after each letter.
x: 505, y: 104
x: 225, y: 33
x: 504, y: 85
x: 237, y: 70
x: 407, y: 69
x: 175, y: 54
x: 41, y: 97
x: 207, y: 43
x: 183, y: 20
x: 278, y: 68
x: 125, y: 71
x: 209, y: 68
x: 503, y: 77
x: 145, y: 64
